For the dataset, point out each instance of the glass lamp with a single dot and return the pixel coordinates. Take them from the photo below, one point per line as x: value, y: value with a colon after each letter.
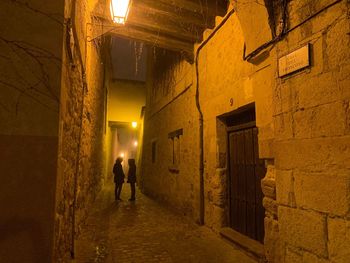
x: 120, y: 10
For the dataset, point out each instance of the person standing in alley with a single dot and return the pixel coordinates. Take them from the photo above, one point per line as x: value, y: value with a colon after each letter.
x: 132, y: 178
x: 118, y: 177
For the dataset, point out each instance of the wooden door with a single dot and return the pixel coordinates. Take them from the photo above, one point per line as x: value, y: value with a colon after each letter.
x: 246, y: 172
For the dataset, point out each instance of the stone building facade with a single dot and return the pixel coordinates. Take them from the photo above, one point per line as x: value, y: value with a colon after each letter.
x: 302, y: 122
x: 52, y: 125
x: 81, y: 148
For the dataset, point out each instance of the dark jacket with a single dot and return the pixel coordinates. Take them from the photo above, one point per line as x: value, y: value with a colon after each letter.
x: 132, y: 171
x: 118, y: 172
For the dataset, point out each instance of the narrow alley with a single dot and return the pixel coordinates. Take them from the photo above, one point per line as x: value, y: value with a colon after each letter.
x: 146, y: 231
x: 231, y: 117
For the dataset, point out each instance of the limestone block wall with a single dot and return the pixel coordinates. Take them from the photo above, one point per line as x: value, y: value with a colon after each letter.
x: 139, y: 157
x: 302, y: 121
x: 312, y: 151
x: 227, y: 83
x: 31, y: 37
x: 170, y: 108
x: 81, y: 163
x: 111, y: 144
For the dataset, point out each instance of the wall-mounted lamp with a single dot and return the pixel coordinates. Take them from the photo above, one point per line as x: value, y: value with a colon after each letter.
x: 134, y: 124
x: 120, y: 10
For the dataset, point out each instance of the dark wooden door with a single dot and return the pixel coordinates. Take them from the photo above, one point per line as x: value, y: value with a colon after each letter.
x: 246, y: 171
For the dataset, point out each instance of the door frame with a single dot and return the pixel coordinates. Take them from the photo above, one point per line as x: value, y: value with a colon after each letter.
x: 242, y: 122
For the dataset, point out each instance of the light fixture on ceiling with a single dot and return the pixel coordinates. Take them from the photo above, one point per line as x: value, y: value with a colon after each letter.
x: 120, y: 10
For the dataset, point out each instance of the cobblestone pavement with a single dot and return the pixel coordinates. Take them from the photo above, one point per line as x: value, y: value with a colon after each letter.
x: 145, y: 231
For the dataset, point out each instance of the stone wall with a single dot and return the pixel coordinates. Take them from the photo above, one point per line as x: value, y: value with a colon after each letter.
x: 81, y: 163
x: 125, y: 100
x: 228, y: 83
x: 302, y: 120
x: 31, y: 34
x: 170, y: 108
x: 312, y: 150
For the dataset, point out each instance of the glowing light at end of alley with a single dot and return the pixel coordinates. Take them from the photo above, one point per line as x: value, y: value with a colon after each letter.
x: 136, y: 143
x: 134, y: 124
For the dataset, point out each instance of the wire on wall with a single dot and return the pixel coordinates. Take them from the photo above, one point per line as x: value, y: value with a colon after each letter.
x: 201, y: 119
x: 284, y: 32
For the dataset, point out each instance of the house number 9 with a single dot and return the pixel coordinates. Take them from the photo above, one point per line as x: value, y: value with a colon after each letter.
x: 231, y: 102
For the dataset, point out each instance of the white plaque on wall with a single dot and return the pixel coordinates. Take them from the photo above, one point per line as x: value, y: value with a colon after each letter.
x: 294, y: 61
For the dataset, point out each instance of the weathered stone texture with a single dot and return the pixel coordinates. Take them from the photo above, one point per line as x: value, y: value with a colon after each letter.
x: 302, y: 256
x: 273, y: 249
x: 217, y: 195
x: 312, y: 169
x: 303, y: 229
x: 336, y: 54
x: 260, y: 20
x: 311, y: 258
x: 177, y: 185
x: 216, y: 74
x: 324, y: 120
x: 285, y: 188
x: 339, y: 240
x: 293, y: 255
x: 303, y: 122
x: 326, y: 192
x: 284, y: 125
x: 80, y: 162
x: 321, y: 89
x: 320, y: 153
x: 268, y: 184
x: 270, y: 206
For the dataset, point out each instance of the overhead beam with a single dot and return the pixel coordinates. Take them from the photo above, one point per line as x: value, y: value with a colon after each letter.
x: 208, y: 7
x: 153, y: 39
x: 170, y: 24
x: 186, y: 36
x: 157, y: 24
x: 173, y: 13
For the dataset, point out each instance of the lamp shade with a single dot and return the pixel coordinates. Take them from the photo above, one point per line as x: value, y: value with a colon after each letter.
x: 120, y: 10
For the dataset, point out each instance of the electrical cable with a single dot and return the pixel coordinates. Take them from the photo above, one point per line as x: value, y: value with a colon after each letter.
x: 284, y: 31
x: 272, y: 41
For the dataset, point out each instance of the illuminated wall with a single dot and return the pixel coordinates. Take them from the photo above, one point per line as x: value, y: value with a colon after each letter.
x: 30, y: 71
x: 302, y: 120
x: 125, y: 100
x: 51, y: 133
x: 81, y: 125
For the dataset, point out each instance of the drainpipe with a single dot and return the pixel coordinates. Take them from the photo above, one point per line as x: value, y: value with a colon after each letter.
x: 201, y: 119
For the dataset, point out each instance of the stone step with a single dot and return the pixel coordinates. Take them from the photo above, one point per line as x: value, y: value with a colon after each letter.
x: 251, y: 246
